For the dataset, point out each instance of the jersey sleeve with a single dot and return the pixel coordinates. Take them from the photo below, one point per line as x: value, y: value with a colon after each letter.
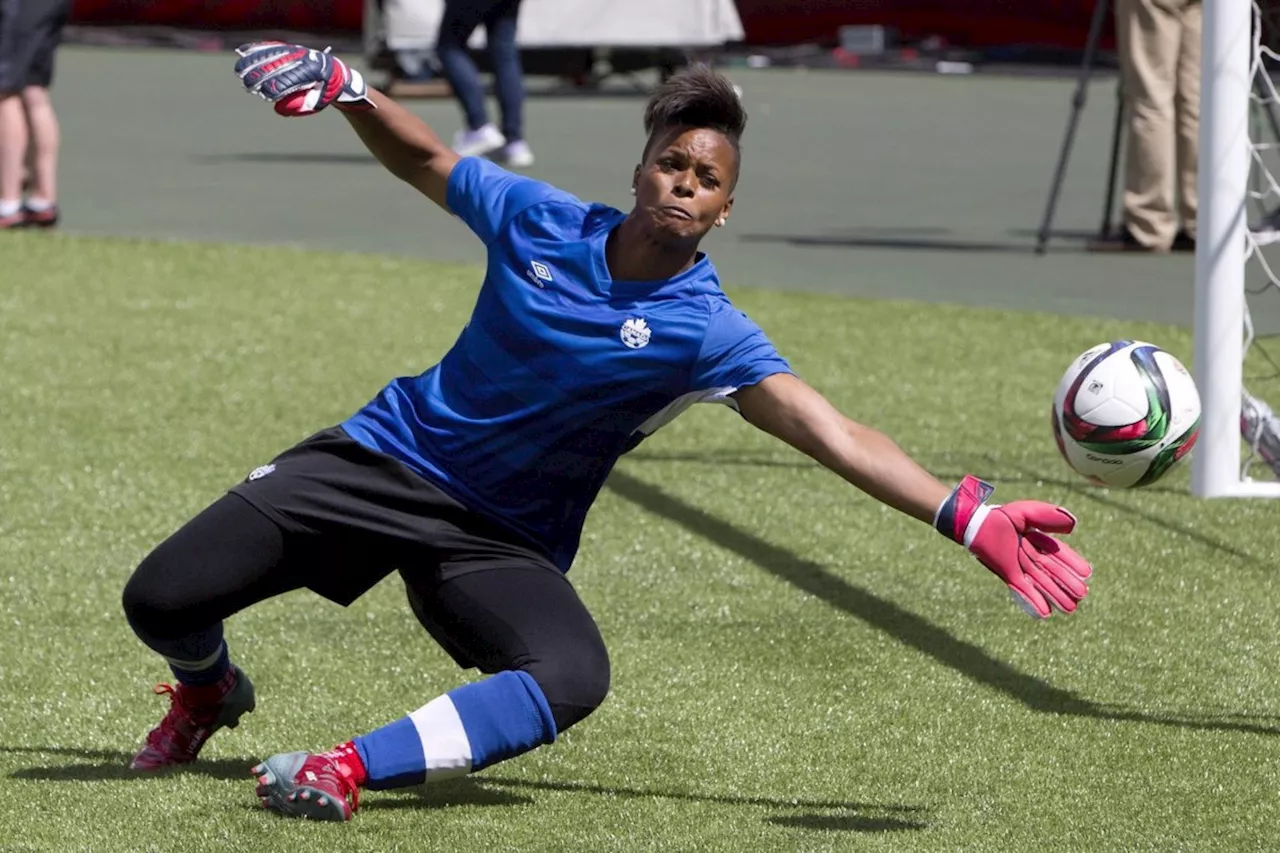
x: 486, y: 196
x: 735, y: 353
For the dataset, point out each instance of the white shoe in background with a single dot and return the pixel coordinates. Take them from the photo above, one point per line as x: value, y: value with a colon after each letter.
x: 478, y: 142
x: 1260, y: 428
x: 1267, y: 229
x: 517, y: 155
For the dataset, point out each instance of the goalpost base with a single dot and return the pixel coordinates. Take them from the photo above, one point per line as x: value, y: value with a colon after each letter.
x: 1245, y: 489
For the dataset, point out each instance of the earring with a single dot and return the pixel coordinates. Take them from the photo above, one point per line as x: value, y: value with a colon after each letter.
x: 720, y: 221
x: 633, y: 190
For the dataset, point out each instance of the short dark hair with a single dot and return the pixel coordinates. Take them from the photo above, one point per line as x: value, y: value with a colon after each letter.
x: 696, y: 96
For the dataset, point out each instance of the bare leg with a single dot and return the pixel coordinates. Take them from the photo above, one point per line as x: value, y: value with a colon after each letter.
x: 29, y: 167
x: 13, y: 147
x: 45, y: 141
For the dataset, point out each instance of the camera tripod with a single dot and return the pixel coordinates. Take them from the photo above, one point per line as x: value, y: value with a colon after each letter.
x: 1077, y: 106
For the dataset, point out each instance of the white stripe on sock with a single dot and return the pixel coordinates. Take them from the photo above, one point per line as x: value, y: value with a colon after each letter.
x: 196, y: 665
x: 445, y: 747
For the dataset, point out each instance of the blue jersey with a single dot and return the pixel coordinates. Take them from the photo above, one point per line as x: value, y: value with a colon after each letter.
x: 561, y: 369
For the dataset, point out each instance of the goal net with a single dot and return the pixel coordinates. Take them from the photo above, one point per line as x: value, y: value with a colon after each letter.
x: 1239, y: 214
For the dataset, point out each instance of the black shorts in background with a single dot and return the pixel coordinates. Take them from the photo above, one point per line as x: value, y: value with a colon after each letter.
x: 30, y: 31
x: 367, y: 515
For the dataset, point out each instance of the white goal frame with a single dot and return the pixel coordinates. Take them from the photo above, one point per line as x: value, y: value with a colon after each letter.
x: 1223, y: 246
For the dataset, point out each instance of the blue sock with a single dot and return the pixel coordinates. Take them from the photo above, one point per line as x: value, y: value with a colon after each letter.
x: 198, y: 660
x: 466, y: 729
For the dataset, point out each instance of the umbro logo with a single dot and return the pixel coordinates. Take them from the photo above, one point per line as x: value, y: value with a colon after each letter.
x: 538, y: 273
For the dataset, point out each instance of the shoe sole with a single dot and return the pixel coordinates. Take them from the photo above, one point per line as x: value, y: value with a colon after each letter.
x: 480, y: 149
x: 476, y: 150
x: 513, y: 162
x: 161, y: 766
x: 278, y: 793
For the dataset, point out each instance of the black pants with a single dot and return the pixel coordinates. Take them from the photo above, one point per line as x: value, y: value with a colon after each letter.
x: 336, y: 517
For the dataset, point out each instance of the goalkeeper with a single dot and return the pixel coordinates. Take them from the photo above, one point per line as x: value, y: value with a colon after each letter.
x: 592, y: 329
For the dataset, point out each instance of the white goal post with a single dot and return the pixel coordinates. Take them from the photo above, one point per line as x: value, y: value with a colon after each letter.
x: 1231, y: 56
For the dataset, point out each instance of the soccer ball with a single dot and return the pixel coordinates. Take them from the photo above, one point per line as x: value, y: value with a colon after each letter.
x: 1124, y: 413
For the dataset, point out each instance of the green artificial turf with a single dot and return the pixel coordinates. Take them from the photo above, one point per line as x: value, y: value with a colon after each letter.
x: 794, y: 666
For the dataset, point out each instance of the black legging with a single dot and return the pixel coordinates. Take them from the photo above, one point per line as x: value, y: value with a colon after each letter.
x: 231, y: 556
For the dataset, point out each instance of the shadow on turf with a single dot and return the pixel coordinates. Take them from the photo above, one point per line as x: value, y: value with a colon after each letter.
x: 454, y: 792
x: 845, y: 823
x: 987, y: 465
x: 1103, y: 497
x: 820, y: 814
x: 113, y: 765
x: 719, y: 799
x: 903, y: 625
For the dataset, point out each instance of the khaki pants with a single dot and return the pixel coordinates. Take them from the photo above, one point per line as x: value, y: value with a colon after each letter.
x: 1158, y: 45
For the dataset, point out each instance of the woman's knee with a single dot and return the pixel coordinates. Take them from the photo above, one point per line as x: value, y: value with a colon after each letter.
x: 228, y: 556
x: 574, y: 684
x: 36, y: 97
x: 150, y: 599
x: 503, y: 51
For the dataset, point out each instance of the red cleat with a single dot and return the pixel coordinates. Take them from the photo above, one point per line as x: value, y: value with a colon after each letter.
x: 46, y: 218
x: 195, y: 713
x: 301, y: 784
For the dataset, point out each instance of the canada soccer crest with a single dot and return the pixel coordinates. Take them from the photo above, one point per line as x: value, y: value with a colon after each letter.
x: 635, y: 332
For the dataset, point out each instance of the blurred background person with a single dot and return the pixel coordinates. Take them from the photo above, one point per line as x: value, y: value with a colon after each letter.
x: 480, y: 136
x: 1158, y: 47
x: 30, y: 31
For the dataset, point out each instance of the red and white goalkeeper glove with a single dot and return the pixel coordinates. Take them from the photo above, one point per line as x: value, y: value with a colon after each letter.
x: 1013, y: 542
x: 298, y: 80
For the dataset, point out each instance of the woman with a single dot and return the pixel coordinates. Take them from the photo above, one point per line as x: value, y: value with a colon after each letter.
x: 473, y: 479
x: 30, y: 32
x: 480, y: 137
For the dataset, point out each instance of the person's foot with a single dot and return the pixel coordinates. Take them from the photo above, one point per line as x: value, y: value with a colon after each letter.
x: 1267, y: 229
x: 1260, y: 429
x: 195, y: 713
x: 478, y: 142
x: 11, y: 214
x: 301, y: 784
x: 42, y: 217
x: 517, y: 155
x: 1124, y: 241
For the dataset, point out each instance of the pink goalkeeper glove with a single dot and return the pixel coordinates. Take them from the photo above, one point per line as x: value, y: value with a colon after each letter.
x: 1012, y: 541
